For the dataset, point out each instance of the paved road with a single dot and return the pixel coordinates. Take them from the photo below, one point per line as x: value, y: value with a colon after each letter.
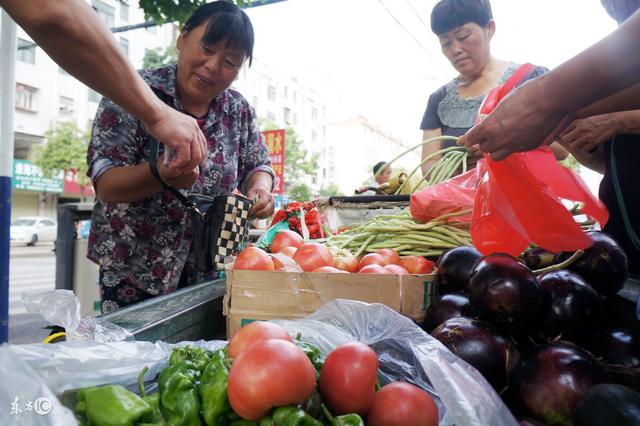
x: 32, y: 270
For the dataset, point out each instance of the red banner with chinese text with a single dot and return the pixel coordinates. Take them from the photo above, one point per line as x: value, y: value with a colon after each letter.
x: 71, y: 185
x: 274, y: 140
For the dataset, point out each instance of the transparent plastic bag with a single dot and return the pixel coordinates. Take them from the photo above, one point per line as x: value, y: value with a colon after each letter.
x: 406, y: 353
x: 62, y: 307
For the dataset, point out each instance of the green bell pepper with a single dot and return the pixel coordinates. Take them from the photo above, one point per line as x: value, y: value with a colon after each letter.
x: 213, y: 389
x: 155, y: 417
x: 293, y: 416
x: 312, y: 352
x: 179, y: 396
x: 111, y: 405
x: 344, y: 420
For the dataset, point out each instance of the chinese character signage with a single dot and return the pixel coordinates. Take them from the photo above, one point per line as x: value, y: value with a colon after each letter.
x: 275, y: 144
x: 71, y: 185
x: 29, y: 177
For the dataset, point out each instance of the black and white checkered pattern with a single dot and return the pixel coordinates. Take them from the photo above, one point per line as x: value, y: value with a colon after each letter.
x: 234, y: 229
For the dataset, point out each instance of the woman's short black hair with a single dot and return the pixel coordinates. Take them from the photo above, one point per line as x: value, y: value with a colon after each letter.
x: 449, y: 14
x: 378, y: 166
x: 225, y: 21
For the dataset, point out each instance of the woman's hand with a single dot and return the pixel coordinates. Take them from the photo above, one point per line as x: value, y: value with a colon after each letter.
x: 587, y: 133
x: 263, y: 203
x: 176, y: 178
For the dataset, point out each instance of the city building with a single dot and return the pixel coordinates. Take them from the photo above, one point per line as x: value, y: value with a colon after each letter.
x: 46, y: 95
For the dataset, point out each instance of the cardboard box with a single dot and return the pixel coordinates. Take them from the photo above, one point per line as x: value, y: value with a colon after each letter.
x: 264, y: 295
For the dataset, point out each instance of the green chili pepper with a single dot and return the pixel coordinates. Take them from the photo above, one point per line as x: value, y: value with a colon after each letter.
x: 153, y: 400
x: 111, y: 405
x: 293, y: 416
x: 344, y: 420
x: 179, y: 397
x: 213, y: 389
x: 267, y: 421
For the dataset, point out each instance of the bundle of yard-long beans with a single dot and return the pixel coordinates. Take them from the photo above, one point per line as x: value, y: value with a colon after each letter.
x: 452, y: 159
x: 403, y: 234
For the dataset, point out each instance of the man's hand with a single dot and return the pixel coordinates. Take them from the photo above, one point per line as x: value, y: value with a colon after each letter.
x: 177, y: 179
x: 587, y: 133
x: 516, y: 125
x: 180, y: 133
x: 263, y: 204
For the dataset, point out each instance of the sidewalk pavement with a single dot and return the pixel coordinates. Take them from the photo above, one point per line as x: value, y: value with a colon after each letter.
x: 43, y: 249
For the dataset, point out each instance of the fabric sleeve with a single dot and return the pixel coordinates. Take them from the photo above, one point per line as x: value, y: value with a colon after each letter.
x: 430, y: 119
x: 114, y: 140
x: 254, y: 156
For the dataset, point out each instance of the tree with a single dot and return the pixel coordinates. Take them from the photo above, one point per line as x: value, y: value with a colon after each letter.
x: 298, y: 164
x: 300, y: 192
x: 65, y: 148
x: 162, y: 11
x: 156, y: 58
x: 330, y: 190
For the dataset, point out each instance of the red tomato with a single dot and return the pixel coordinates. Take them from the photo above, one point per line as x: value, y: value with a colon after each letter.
x: 346, y: 263
x: 254, y: 332
x: 348, y: 378
x: 269, y: 374
x: 286, y: 238
x: 277, y: 264
x: 288, y: 251
x: 311, y: 256
x: 372, y: 259
x: 392, y: 256
x: 396, y: 269
x: 417, y: 264
x: 402, y: 404
x: 253, y: 258
x: 329, y: 269
x: 374, y: 269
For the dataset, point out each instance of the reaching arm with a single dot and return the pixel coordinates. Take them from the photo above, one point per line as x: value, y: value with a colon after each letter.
x: 535, y: 113
x: 75, y: 38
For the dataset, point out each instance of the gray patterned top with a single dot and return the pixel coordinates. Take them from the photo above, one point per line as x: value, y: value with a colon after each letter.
x: 453, y: 114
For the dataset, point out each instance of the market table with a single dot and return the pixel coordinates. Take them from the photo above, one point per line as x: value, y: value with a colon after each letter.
x: 191, y: 313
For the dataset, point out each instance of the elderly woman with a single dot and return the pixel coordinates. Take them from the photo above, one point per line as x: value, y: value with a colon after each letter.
x: 464, y: 29
x: 141, y: 234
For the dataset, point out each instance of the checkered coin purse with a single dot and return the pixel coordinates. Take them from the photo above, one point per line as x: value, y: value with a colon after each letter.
x: 220, y: 227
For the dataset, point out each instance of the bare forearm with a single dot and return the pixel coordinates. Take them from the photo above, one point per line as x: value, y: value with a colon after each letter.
x: 260, y: 180
x: 75, y: 38
x: 126, y: 184
x: 624, y: 100
x: 607, y: 67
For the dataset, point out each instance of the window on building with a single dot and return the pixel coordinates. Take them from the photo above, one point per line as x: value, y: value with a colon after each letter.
x: 26, y: 51
x: 26, y: 97
x: 94, y: 96
x: 286, y: 92
x: 271, y: 93
x: 324, y: 173
x: 65, y: 106
x: 105, y: 12
x: 271, y: 116
x: 314, y: 180
x: 124, y: 44
x: 287, y: 115
x: 314, y: 113
x: 124, y: 10
x: 314, y: 136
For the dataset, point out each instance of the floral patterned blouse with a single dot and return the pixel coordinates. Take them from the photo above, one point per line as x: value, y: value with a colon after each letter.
x: 146, y: 243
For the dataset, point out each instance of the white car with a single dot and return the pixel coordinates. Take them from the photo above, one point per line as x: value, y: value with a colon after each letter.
x: 32, y: 229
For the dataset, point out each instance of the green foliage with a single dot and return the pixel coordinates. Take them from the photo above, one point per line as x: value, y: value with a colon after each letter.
x: 156, y: 58
x: 66, y: 148
x: 300, y: 192
x: 571, y: 163
x: 162, y: 11
x: 297, y: 163
x: 330, y: 190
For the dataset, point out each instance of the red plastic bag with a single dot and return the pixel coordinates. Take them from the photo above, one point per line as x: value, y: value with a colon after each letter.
x: 518, y: 201
x: 455, y: 194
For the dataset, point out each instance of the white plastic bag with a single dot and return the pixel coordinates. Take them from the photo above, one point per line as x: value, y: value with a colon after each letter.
x: 409, y: 354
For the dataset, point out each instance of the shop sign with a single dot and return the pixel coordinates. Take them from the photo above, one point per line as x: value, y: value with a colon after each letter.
x: 29, y: 177
x: 71, y: 185
x: 275, y: 144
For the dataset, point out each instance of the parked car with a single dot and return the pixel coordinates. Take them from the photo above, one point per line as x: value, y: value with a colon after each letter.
x: 32, y: 229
